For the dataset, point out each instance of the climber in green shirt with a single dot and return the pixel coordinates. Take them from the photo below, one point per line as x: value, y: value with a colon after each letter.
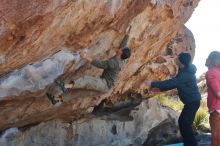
x: 103, y: 83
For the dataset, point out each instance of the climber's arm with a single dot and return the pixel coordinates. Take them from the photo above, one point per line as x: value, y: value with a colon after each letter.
x: 125, y: 39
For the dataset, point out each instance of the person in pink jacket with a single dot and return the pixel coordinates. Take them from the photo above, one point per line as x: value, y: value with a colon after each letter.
x: 213, y: 100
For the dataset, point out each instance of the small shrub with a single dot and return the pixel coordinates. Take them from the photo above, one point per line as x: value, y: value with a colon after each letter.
x: 172, y: 102
x: 201, y: 121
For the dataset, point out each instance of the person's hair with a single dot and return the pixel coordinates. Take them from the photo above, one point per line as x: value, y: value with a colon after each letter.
x: 214, y: 58
x: 184, y: 58
x: 126, y: 53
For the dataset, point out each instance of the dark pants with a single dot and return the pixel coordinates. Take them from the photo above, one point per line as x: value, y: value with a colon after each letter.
x: 185, y: 123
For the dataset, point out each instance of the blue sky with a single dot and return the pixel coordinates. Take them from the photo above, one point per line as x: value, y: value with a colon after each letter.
x: 205, y: 26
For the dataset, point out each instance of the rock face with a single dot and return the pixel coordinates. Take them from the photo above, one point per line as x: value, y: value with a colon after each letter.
x: 101, y: 131
x: 40, y: 41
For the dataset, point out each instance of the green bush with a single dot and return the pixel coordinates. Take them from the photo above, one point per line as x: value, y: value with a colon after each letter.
x: 172, y: 102
x: 201, y: 121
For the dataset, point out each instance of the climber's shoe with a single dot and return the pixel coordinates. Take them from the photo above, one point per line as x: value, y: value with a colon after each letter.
x: 52, y: 98
x: 61, y: 85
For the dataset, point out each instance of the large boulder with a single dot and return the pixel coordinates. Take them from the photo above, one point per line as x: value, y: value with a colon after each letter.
x: 40, y: 41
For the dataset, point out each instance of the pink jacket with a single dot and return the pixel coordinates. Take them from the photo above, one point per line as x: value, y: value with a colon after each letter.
x: 213, y: 84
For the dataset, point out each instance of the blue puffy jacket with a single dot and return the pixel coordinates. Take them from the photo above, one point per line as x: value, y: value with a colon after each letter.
x: 185, y: 82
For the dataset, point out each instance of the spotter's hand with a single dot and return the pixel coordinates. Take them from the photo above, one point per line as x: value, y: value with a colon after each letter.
x: 147, y: 83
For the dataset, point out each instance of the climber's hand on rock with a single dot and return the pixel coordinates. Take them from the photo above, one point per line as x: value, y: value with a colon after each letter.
x: 82, y: 54
x: 128, y: 30
x: 85, y: 56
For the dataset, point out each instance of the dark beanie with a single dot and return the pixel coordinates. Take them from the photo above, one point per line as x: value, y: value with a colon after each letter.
x: 185, y: 58
x: 126, y: 53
